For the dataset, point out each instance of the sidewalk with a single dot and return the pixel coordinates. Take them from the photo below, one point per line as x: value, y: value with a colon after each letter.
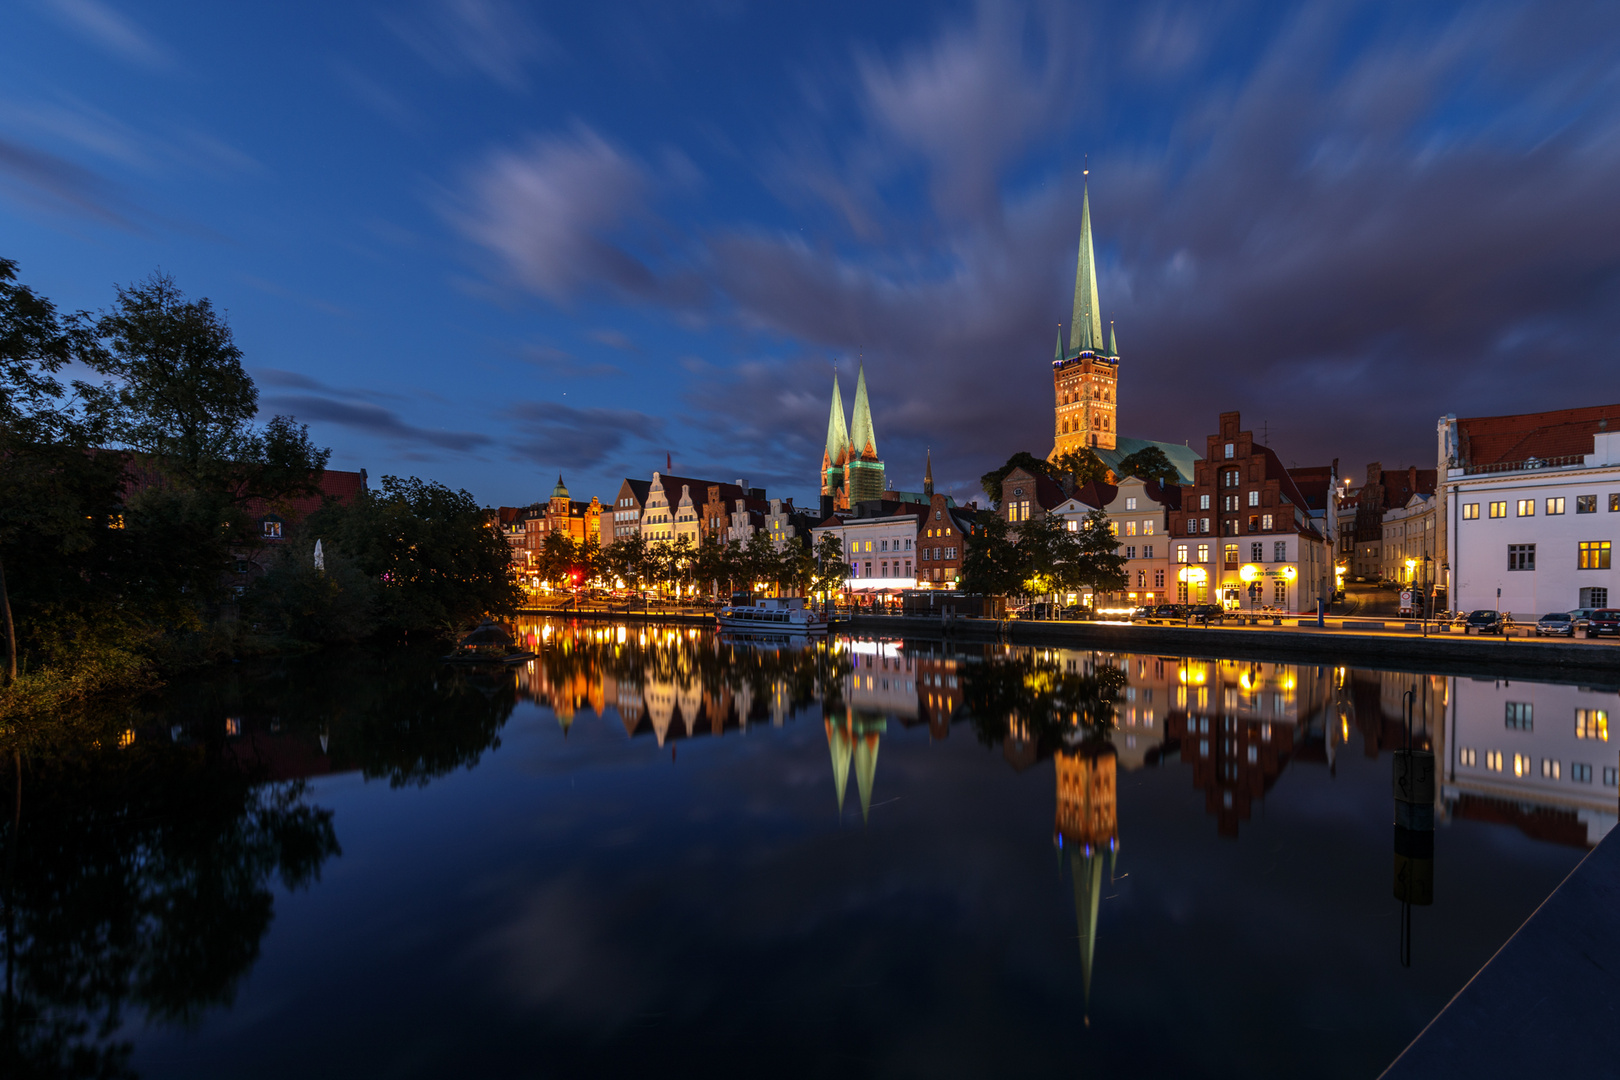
x: 1548, y: 1003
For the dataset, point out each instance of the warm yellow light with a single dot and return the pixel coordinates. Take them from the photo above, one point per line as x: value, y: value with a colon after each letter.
x: 1249, y: 572
x: 1289, y: 572
x: 1192, y: 573
x: 1411, y: 563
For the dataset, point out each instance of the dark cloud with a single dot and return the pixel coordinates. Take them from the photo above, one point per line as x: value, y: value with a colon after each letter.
x: 560, y: 436
x: 1344, y: 223
x: 375, y: 420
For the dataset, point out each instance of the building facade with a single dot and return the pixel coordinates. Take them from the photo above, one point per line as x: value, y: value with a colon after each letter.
x: 941, y: 541
x: 879, y: 541
x: 1530, y: 510
x: 1244, y: 536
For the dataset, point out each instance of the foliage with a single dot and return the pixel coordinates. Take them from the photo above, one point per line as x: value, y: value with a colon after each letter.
x: 1081, y: 466
x: 1150, y: 463
x: 990, y: 482
x: 1045, y: 556
x: 337, y: 605
x: 438, y: 567
x: 992, y: 563
x: 831, y: 571
x: 1056, y: 707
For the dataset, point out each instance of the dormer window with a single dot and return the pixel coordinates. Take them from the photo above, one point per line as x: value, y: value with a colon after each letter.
x: 270, y: 528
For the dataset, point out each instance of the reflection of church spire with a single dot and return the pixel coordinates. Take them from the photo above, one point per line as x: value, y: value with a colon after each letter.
x: 838, y: 742
x: 1087, y: 826
x: 866, y: 752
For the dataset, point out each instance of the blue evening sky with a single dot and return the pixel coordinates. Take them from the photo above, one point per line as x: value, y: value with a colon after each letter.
x: 487, y: 242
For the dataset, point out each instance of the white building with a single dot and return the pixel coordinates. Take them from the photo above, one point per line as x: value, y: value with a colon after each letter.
x: 1531, y: 510
x: 1139, y: 514
x: 880, y: 549
x: 1409, y: 554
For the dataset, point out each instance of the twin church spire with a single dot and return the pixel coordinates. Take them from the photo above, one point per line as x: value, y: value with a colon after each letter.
x: 850, y: 469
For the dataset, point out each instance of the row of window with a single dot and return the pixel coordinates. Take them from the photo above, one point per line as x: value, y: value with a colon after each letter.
x: 882, y: 545
x: 1589, y: 723
x: 1147, y: 551
x: 1584, y: 504
x: 855, y: 569
x: 1589, y: 555
x: 1551, y: 768
x: 1257, y: 523
x: 1257, y: 552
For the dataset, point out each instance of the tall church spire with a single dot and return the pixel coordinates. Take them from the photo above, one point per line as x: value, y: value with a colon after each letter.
x: 862, y: 442
x: 928, y: 475
x: 837, y: 433
x: 1057, y: 357
x: 1113, y: 349
x: 1085, y: 328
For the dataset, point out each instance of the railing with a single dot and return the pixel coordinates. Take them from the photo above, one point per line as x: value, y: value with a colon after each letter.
x: 1562, y: 461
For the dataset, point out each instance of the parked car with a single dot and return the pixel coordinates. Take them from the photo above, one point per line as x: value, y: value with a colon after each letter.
x: 1555, y: 624
x: 1206, y: 612
x: 1580, y: 617
x: 1170, y: 611
x: 1603, y: 621
x: 1486, y: 621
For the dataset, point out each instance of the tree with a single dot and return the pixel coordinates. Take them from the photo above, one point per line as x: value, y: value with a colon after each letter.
x: 992, y: 563
x: 557, y: 556
x: 759, y: 556
x: 831, y: 571
x: 626, y: 559
x: 1083, y: 466
x: 1094, y: 561
x: 991, y: 481
x: 797, y: 565
x: 439, y: 568
x: 1149, y: 463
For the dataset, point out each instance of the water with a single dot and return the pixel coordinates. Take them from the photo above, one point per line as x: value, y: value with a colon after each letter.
x: 654, y: 850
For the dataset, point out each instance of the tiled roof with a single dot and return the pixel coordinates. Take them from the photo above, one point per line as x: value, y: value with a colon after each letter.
x: 1490, y: 440
x: 1313, y: 482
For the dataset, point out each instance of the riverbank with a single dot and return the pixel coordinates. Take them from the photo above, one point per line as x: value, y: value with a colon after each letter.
x: 1546, y: 1003
x: 1490, y: 657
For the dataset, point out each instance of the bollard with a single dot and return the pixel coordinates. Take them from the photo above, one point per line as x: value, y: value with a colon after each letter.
x: 1413, y: 778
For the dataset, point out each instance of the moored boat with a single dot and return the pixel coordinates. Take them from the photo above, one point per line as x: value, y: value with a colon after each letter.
x: 787, y: 615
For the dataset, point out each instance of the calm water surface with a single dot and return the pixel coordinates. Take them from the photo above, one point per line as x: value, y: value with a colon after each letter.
x: 654, y: 849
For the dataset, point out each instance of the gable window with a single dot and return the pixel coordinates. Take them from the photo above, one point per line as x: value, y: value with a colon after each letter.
x: 1230, y: 450
x: 1521, y: 556
x: 271, y: 528
x: 1130, y: 504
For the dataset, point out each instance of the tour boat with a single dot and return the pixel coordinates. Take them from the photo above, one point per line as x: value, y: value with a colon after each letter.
x: 784, y: 616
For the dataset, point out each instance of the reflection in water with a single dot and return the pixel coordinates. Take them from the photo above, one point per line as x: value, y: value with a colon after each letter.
x: 138, y: 886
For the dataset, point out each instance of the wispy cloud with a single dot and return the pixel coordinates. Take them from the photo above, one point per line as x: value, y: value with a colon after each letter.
x: 495, y: 38
x: 47, y: 182
x: 113, y: 31
x: 557, y: 435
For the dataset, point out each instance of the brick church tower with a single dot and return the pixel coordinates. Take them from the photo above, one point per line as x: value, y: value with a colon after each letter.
x: 1085, y: 376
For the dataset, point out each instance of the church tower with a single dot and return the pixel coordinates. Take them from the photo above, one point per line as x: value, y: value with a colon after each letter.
x: 835, y: 456
x: 1085, y: 374
x: 863, y: 476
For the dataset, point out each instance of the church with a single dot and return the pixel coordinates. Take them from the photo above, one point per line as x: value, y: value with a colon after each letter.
x: 1086, y: 376
x: 850, y: 470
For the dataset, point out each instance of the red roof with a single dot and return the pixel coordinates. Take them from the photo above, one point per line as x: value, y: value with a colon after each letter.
x: 335, y: 484
x: 1491, y: 440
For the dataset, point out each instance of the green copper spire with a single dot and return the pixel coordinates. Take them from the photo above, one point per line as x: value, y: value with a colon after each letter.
x: 1087, y: 873
x: 1113, y: 349
x: 561, y: 490
x: 838, y: 742
x: 928, y: 474
x: 1085, y: 331
x: 862, y: 442
x: 837, y: 433
x: 1058, y: 356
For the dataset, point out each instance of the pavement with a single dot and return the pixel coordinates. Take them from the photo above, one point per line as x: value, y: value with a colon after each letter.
x: 1548, y: 1003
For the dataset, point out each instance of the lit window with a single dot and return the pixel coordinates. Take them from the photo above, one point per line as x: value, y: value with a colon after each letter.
x: 1467, y: 757
x: 1550, y: 768
x: 1521, y: 765
x: 1499, y: 509
x: 272, y: 528
x: 1230, y: 450
x: 1254, y: 498
x: 1265, y: 522
x: 1203, y: 502
x: 1471, y: 511
x: 1493, y: 760
x: 1181, y: 553
x: 1203, y: 553
x: 1594, y: 555
x: 1592, y: 724
x: 1555, y: 506
x: 1130, y: 504
x: 1527, y: 508
x: 1586, y: 504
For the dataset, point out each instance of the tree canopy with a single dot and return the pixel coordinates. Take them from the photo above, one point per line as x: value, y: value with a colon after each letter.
x: 1149, y: 463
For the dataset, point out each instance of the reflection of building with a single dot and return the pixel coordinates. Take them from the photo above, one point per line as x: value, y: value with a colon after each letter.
x: 1237, y: 724
x: 1537, y: 755
x: 1087, y: 831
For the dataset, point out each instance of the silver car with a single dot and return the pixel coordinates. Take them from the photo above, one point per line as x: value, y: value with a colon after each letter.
x: 1580, y: 616
x: 1555, y: 624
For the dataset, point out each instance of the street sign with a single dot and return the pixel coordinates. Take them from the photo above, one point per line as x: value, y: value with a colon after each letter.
x: 1406, y: 598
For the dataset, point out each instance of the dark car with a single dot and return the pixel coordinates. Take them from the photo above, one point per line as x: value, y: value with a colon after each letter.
x: 1206, y: 613
x: 1486, y: 621
x: 1555, y: 624
x: 1603, y: 621
x: 1170, y: 611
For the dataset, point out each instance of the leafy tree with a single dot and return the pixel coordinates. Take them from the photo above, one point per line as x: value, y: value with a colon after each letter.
x: 1081, y: 466
x: 760, y: 558
x: 990, y: 482
x: 626, y: 560
x: 297, y: 601
x: 1095, y: 561
x: 992, y: 563
x: 797, y: 565
x: 439, y: 568
x: 831, y: 571
x: 1149, y: 463
x: 557, y: 556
